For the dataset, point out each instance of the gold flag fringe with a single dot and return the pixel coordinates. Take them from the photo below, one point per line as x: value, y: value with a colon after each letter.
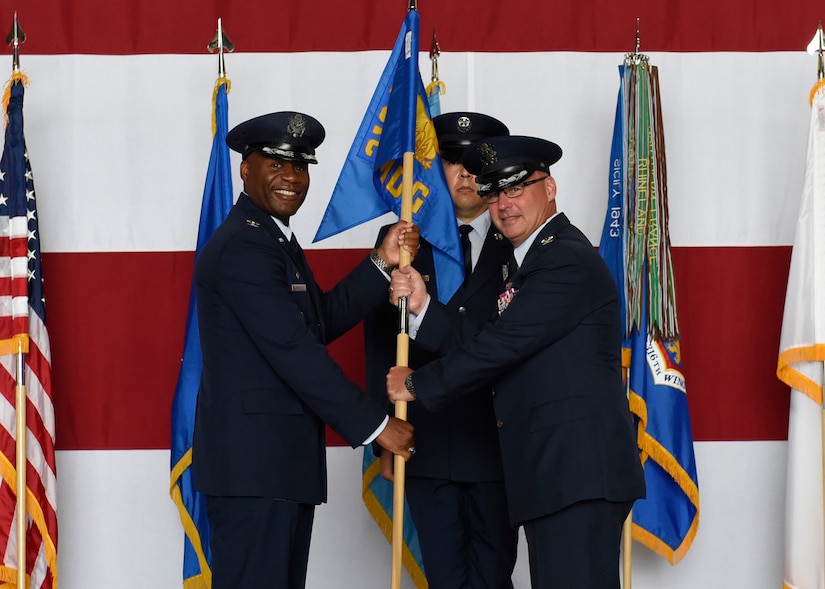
x: 16, y: 77
x: 794, y: 378
x: 651, y: 448
x: 817, y: 87
x: 384, y: 522
x: 8, y: 473
x: 204, y: 579
x: 442, y: 87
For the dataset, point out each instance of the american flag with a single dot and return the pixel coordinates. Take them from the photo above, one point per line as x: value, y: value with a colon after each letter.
x: 23, y: 326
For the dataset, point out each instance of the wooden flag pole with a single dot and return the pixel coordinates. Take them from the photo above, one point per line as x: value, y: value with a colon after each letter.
x: 627, y: 527
x: 627, y: 551
x: 401, y: 359
x: 20, y: 406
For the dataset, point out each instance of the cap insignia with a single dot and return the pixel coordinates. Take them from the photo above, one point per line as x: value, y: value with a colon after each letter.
x: 464, y: 124
x: 297, y: 125
x: 488, y: 154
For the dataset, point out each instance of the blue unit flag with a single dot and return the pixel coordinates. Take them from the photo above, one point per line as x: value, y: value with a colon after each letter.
x: 217, y: 200
x: 398, y: 120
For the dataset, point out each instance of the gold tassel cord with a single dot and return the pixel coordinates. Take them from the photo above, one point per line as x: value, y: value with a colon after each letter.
x: 17, y: 76
x: 222, y: 80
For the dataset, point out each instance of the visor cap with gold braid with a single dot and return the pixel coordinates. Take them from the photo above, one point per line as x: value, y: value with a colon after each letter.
x: 500, y: 162
x: 284, y: 135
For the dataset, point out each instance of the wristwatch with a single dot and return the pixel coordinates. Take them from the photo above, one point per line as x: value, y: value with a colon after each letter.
x: 380, y: 263
x: 410, y: 386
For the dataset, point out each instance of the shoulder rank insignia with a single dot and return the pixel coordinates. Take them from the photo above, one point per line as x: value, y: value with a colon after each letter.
x: 252, y: 223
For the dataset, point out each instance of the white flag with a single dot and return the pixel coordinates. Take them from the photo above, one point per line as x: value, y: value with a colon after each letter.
x: 801, y: 355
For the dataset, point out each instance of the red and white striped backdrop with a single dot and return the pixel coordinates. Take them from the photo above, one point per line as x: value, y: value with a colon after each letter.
x: 117, y: 124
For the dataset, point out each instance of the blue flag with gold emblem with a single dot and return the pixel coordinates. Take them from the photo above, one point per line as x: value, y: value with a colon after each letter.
x: 398, y: 121
x: 217, y: 201
x: 636, y: 246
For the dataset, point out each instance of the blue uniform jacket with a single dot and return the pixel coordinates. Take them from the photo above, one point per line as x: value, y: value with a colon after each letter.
x: 268, y: 383
x: 554, y: 358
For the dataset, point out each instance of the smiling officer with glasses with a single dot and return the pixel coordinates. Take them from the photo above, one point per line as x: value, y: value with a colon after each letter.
x: 553, y: 356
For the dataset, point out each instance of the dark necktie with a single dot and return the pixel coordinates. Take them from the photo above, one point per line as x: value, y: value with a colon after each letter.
x: 467, y: 250
x: 512, y: 268
x: 299, y: 256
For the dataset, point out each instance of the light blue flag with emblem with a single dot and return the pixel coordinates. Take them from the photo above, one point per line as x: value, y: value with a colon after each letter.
x: 434, y: 92
x: 377, y: 494
x: 217, y: 200
x: 398, y: 121
x: 636, y: 247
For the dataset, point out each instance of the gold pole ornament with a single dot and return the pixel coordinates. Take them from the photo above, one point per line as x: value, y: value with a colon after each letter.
x: 15, y: 37
x: 817, y: 45
x: 435, y: 51
x: 221, y: 43
x: 435, y: 84
x: 636, y: 57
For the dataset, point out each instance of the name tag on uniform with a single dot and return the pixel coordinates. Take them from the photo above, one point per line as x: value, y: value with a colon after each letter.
x: 298, y: 287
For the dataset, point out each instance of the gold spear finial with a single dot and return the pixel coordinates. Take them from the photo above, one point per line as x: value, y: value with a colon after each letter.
x: 16, y: 37
x: 636, y: 58
x: 817, y: 45
x: 220, y: 43
x: 435, y: 51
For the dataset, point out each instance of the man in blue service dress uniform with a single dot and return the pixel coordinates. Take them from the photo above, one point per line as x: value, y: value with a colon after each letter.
x: 571, y: 463
x: 268, y: 384
x: 455, y: 482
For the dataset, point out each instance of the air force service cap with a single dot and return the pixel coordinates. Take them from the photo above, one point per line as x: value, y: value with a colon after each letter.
x: 500, y: 162
x: 456, y: 131
x: 284, y: 135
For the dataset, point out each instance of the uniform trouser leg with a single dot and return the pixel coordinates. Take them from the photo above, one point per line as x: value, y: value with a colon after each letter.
x: 258, y: 542
x: 577, y: 546
x: 464, y: 533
